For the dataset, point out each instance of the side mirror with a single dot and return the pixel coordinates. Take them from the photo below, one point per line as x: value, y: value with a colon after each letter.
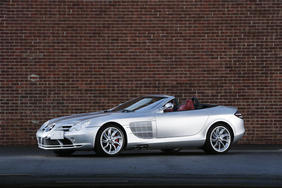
x: 168, y: 106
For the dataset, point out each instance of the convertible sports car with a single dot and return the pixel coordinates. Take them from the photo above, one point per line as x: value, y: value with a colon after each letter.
x: 153, y: 121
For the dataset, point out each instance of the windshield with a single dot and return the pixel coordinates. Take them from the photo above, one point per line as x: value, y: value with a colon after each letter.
x: 136, y: 104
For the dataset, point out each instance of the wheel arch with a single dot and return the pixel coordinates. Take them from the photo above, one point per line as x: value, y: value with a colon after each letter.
x: 221, y: 122
x: 116, y: 124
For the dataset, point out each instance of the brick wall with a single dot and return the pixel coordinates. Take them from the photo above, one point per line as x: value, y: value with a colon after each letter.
x: 63, y: 57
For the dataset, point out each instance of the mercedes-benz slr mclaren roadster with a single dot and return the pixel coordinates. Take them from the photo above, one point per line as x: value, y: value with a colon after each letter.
x: 154, y: 121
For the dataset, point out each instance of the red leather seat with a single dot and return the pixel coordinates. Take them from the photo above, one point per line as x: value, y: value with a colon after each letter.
x: 187, y: 106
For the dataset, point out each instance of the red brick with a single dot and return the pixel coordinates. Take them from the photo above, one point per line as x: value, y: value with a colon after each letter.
x: 92, y: 55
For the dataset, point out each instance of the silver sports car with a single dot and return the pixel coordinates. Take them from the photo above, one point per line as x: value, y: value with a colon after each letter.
x: 153, y: 121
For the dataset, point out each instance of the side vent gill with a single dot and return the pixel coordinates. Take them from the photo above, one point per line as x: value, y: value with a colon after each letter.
x: 142, y: 129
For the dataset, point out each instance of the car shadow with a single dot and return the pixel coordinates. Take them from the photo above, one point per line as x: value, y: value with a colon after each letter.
x: 138, y: 153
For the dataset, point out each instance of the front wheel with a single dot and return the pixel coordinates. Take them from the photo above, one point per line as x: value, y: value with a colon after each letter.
x: 219, y: 139
x: 110, y: 141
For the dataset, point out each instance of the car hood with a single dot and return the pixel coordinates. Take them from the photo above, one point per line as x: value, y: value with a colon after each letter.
x: 75, y: 118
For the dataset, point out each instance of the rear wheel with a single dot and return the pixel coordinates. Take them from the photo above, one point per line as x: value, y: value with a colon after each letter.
x: 64, y: 152
x: 219, y: 139
x: 110, y: 141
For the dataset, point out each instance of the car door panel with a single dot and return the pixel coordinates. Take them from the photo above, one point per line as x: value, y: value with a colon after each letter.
x: 180, y: 123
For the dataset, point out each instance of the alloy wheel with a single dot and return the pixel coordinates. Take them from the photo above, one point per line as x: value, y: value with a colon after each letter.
x: 220, y: 139
x: 111, y: 140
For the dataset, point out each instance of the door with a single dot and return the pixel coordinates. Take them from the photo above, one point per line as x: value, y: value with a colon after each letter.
x: 180, y: 123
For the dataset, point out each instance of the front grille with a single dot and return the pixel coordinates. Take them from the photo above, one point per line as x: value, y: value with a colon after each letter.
x: 65, y: 141
x: 48, y: 143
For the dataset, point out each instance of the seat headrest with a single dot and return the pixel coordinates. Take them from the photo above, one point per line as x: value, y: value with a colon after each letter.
x: 187, y: 106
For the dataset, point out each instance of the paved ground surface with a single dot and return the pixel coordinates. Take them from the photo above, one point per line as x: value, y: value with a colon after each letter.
x: 249, y: 166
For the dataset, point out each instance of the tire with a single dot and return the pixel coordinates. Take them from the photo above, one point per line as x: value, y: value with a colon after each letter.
x: 219, y: 139
x: 64, y: 152
x: 110, y: 141
x: 171, y: 151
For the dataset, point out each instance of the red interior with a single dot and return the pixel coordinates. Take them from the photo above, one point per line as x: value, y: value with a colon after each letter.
x: 187, y: 106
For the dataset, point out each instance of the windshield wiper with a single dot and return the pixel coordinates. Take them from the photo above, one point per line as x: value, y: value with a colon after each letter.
x: 107, y: 111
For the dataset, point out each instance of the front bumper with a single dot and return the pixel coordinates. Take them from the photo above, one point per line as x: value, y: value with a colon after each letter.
x: 78, y: 140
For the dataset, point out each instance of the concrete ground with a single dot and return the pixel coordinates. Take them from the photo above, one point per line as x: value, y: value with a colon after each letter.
x: 243, y: 166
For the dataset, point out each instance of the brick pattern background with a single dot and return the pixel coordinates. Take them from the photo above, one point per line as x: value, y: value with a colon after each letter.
x: 59, y: 57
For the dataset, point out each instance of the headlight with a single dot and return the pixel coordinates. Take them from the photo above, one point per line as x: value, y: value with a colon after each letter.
x: 44, y: 125
x: 80, y: 125
x: 47, y: 126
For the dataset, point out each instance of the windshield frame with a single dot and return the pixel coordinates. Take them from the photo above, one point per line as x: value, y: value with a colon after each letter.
x: 157, y: 101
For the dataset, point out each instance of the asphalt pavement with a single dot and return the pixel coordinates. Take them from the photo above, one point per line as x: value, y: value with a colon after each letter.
x: 243, y: 166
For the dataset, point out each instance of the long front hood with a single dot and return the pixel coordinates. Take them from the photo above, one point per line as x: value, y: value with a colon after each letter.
x: 75, y: 118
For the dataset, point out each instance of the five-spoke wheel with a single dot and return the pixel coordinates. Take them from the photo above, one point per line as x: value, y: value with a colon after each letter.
x: 110, y: 140
x: 219, y: 139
